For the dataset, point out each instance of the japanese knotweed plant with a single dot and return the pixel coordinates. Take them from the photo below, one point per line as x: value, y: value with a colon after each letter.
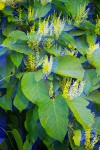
x: 50, y: 74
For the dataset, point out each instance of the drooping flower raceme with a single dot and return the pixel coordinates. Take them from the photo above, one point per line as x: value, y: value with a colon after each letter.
x: 72, y: 91
x: 47, y: 65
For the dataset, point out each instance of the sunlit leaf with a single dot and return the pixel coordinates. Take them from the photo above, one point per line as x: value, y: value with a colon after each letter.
x: 69, y: 66
x: 53, y: 116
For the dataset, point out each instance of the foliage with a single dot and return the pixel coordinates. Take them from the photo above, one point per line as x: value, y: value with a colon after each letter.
x: 50, y: 74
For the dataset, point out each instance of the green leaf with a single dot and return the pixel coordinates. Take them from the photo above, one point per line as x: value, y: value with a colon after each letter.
x: 69, y: 66
x: 27, y: 145
x: 60, y: 5
x: 18, y: 139
x: 97, y: 4
x: 96, y: 58
x: 47, y: 140
x: 91, y: 39
x: 72, y: 144
x: 13, y: 119
x: 20, y: 101
x: 81, y: 112
x: 73, y: 6
x: 77, y: 137
x: 35, y: 91
x: 61, y: 146
x: 31, y: 124
x: 5, y: 103
x: 3, y: 50
x: 8, y: 11
x: 61, y: 0
x: 76, y: 32
x: 98, y: 72
x: 53, y: 115
x: 19, y: 46
x: 66, y: 39
x: 87, y: 26
x: 81, y: 44
x: 96, y: 125
x: 39, y: 75
x: 91, y: 81
x: 94, y: 96
x: 6, y: 71
x: 18, y: 35
x: 41, y: 11
x: 16, y: 58
x: 54, y: 50
x: 8, y: 29
x: 20, y: 74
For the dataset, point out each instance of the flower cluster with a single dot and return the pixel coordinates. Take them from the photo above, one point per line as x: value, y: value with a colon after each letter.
x: 47, y: 65
x: 88, y: 138
x: 30, y: 63
x: 20, y: 13
x: 91, y: 139
x: 33, y: 42
x: 48, y: 43
x: 53, y: 27
x: 72, y: 91
x: 43, y: 27
x: 30, y: 13
x: 73, y: 51
x: 81, y: 14
x: 58, y: 25
x: 66, y: 89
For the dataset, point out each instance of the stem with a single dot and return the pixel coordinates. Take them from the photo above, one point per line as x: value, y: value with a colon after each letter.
x: 46, y: 85
x: 71, y: 127
x: 6, y: 77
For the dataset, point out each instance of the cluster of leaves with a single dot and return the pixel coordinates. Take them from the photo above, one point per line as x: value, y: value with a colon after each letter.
x: 50, y: 74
